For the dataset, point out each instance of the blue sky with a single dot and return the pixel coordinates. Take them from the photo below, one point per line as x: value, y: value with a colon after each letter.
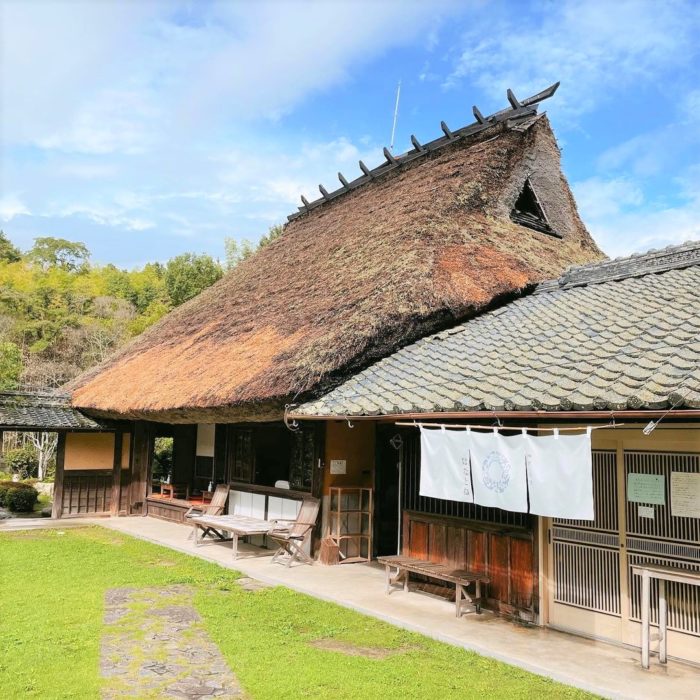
x: 146, y: 129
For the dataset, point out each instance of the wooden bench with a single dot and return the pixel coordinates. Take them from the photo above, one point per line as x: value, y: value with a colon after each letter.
x: 460, y: 577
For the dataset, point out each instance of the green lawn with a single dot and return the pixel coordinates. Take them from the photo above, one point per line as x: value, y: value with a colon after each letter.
x: 52, y: 587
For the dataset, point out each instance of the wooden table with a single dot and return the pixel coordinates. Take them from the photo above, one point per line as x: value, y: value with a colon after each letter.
x: 236, y: 525
x: 443, y: 572
x: 662, y: 574
x: 169, y: 490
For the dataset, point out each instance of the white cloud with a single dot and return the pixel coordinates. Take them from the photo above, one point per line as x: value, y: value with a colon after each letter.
x: 109, y: 76
x: 54, y: 54
x: 622, y: 222
x: 598, y: 198
x: 103, y: 215
x: 270, y: 176
x: 595, y: 47
x: 115, y: 121
x: 11, y: 206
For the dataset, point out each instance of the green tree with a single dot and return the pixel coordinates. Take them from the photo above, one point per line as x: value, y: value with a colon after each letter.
x: 8, y: 251
x: 188, y: 274
x: 58, y: 252
x: 10, y: 366
x: 238, y: 251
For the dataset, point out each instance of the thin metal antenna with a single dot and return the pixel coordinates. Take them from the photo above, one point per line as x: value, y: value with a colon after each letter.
x: 396, y: 116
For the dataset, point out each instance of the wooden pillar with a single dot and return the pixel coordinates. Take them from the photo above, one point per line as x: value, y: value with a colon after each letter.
x: 220, y: 451
x: 116, y: 473
x: 141, y: 468
x: 57, y: 509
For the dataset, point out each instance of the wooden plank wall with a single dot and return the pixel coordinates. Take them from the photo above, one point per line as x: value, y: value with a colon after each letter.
x: 507, y: 556
x: 87, y: 492
x: 166, y: 511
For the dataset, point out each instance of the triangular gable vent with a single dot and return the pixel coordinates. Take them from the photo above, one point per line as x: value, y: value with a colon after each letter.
x: 529, y: 212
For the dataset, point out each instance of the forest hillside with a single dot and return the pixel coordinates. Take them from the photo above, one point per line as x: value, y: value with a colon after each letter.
x: 61, y: 314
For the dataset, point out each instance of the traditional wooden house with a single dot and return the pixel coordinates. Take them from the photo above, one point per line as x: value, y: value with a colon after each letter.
x: 426, y: 239
x: 613, y: 344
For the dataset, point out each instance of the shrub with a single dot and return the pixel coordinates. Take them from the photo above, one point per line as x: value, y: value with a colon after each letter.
x: 4, y: 486
x: 22, y: 460
x: 21, y: 500
x: 8, y: 499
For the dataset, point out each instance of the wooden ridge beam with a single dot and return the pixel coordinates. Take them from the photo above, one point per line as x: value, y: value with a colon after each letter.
x: 517, y: 109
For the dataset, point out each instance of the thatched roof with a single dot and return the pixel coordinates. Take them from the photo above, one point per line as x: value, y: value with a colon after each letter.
x: 414, y: 250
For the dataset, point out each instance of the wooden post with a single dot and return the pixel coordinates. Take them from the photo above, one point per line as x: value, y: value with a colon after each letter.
x: 116, y: 474
x: 141, y: 468
x: 663, y: 614
x: 317, y: 480
x: 57, y: 509
x: 646, y: 604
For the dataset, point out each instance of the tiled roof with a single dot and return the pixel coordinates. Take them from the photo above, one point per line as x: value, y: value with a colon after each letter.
x: 622, y: 334
x: 41, y: 411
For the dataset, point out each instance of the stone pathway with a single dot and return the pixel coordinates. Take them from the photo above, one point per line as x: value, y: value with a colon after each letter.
x: 155, y: 646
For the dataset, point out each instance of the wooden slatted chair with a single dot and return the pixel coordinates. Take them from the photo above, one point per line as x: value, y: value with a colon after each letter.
x: 216, y: 506
x: 291, y: 538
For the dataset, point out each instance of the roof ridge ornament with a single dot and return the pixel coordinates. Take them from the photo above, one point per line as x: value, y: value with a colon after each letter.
x: 446, y: 130
x: 513, y: 99
x: 416, y: 144
x: 478, y: 115
x: 389, y: 157
x: 517, y: 109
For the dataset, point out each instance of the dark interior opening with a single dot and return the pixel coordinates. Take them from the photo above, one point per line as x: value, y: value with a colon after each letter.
x: 272, y: 448
x: 528, y: 211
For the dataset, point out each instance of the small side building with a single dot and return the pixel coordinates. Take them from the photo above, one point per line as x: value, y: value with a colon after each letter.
x: 93, y: 457
x: 615, y: 345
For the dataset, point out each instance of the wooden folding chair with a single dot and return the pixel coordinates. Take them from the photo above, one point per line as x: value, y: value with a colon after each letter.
x: 292, y: 538
x: 216, y: 506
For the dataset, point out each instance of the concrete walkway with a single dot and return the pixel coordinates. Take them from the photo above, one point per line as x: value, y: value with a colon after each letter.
x: 604, y: 669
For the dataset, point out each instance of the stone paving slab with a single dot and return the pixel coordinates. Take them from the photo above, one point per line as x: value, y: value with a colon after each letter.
x: 155, y: 646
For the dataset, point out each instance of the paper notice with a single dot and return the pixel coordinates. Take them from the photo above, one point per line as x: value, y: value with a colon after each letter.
x: 645, y: 512
x: 685, y: 495
x: 339, y: 466
x: 646, y: 488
